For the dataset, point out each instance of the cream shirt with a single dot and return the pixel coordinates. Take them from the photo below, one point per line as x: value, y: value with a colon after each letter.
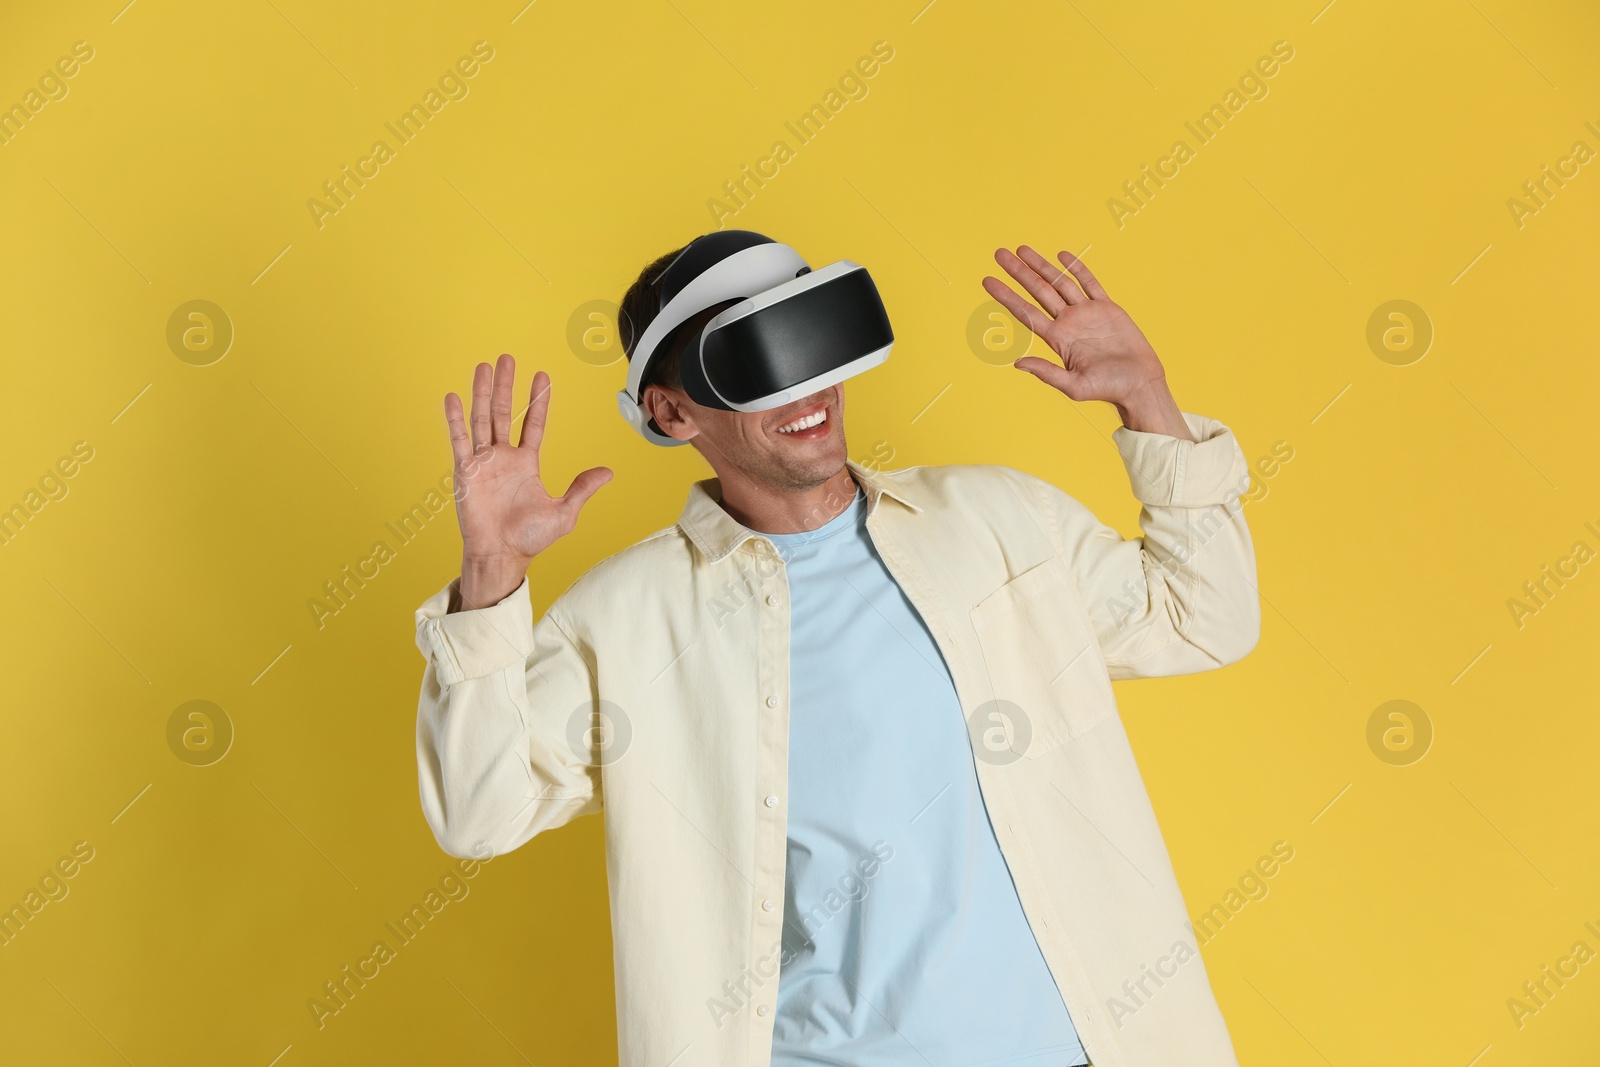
x: 658, y: 684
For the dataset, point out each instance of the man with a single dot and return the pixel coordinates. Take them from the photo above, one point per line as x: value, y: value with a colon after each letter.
x: 868, y: 798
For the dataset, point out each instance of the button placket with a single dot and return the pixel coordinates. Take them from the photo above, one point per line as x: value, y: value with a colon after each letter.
x: 772, y: 681
x: 772, y: 693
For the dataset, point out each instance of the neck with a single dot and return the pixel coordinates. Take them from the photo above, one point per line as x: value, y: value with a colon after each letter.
x: 767, y: 510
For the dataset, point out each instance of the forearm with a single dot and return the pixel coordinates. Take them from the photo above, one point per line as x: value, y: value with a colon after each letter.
x: 1181, y: 597
x: 473, y: 774
x: 1196, y: 606
x: 495, y: 764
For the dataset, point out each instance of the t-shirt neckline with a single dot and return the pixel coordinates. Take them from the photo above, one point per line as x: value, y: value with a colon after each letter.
x: 846, y: 519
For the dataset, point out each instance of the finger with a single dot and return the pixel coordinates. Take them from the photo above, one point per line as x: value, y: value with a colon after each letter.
x: 505, y: 372
x: 582, y: 488
x: 538, y: 410
x: 1052, y: 374
x: 460, y: 443
x: 1037, y: 287
x: 1080, y: 271
x: 1058, y: 279
x: 482, y: 379
x: 1026, y: 313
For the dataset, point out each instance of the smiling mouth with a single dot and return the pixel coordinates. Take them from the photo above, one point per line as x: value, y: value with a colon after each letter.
x: 809, y: 425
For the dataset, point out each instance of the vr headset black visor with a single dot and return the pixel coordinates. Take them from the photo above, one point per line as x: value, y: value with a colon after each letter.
x: 778, y: 331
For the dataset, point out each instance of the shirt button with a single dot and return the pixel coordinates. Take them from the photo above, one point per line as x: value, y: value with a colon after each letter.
x: 773, y: 599
x: 772, y: 702
x: 767, y: 905
x: 772, y: 801
x: 762, y: 1010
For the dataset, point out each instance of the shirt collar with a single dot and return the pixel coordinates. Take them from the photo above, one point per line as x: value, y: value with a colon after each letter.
x: 716, y: 533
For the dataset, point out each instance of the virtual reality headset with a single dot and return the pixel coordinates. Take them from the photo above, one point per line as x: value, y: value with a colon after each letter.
x: 778, y: 331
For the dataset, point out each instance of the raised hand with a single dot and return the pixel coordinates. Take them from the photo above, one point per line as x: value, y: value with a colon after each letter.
x: 1104, y: 356
x: 507, y: 515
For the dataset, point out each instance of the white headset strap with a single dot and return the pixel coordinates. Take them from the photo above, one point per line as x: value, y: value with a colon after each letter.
x: 744, y: 274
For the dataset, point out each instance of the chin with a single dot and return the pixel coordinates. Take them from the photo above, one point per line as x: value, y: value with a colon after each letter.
x: 805, y: 472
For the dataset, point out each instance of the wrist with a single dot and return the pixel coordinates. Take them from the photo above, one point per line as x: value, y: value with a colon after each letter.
x: 485, y: 581
x: 1152, y: 409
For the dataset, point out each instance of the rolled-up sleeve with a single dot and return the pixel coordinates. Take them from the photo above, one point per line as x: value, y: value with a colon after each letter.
x: 497, y: 761
x: 1182, y: 597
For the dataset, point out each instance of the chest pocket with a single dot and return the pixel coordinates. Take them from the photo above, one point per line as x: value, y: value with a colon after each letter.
x: 1046, y: 674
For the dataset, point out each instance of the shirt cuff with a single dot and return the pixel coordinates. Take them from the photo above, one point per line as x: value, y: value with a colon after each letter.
x: 471, y: 644
x: 1169, y: 471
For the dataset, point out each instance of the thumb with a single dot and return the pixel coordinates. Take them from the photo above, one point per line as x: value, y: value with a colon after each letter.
x: 583, y: 487
x: 1051, y: 374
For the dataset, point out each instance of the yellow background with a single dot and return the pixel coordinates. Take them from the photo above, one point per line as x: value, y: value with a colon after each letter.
x: 179, y: 565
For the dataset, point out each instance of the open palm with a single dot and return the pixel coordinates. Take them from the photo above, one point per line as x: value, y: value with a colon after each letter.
x: 1104, y: 356
x: 507, y: 514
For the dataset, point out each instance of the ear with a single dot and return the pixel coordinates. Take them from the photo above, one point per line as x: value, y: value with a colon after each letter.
x: 666, y: 407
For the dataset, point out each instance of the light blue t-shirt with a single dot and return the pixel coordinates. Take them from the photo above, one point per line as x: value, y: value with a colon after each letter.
x: 904, y: 941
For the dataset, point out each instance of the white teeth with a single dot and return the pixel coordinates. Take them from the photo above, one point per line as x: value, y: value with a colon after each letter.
x: 805, y: 423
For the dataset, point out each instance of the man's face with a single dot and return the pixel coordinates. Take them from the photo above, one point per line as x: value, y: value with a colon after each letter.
x: 762, y: 445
